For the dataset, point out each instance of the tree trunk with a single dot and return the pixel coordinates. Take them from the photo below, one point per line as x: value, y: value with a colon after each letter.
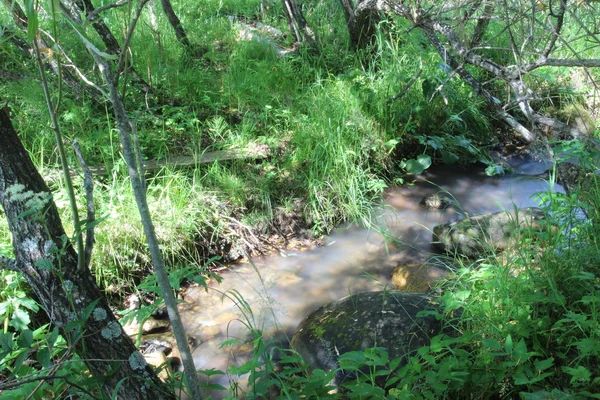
x: 49, y: 264
x: 176, y: 24
x: 362, y: 24
x: 297, y: 23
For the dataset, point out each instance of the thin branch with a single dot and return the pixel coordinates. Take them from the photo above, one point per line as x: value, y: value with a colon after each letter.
x: 88, y: 185
x: 556, y: 29
x: 482, y: 22
x: 94, y: 14
x: 138, y: 152
x: 14, y: 384
x: 72, y: 65
x: 122, y: 58
x: 405, y: 88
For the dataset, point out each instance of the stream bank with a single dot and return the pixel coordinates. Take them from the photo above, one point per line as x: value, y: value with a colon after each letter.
x: 272, y: 294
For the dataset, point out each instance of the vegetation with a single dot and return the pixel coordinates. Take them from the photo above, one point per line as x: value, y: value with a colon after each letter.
x: 320, y: 129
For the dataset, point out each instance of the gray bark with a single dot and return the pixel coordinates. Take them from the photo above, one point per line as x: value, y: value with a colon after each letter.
x: 361, y: 23
x: 48, y: 262
x: 134, y: 166
x: 297, y: 23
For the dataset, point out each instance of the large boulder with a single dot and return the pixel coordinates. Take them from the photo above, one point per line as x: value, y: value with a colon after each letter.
x: 474, y: 236
x: 373, y: 319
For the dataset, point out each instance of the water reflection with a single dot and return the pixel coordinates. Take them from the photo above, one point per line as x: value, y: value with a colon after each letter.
x: 279, y: 291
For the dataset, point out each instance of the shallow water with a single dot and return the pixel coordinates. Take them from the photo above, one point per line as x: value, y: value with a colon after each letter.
x: 280, y: 291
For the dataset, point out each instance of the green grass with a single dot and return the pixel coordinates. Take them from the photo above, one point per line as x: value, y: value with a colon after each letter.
x: 336, y: 141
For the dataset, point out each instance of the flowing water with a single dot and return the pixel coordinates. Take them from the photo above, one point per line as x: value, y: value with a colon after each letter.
x: 280, y: 291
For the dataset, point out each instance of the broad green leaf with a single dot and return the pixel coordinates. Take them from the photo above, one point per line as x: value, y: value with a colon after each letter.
x: 52, y: 337
x: 43, y: 357
x: 520, y: 352
x: 6, y: 341
x: 44, y: 264
x: 579, y: 374
x: 20, y: 319
x: 28, y: 303
x: 449, y: 158
x: 26, y: 339
x: 419, y: 165
x: 462, y: 141
x: 508, y: 344
x: 18, y: 363
x: 491, y: 344
x: 543, y: 364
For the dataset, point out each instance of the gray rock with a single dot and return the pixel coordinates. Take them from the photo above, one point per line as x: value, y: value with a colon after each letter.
x: 373, y: 319
x: 474, y: 236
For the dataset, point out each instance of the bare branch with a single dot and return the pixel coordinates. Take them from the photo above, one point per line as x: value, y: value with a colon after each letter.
x: 482, y: 22
x: 88, y: 185
x: 122, y: 58
x: 561, y: 62
x: 556, y: 29
x: 94, y: 14
x: 406, y: 87
x: 73, y: 66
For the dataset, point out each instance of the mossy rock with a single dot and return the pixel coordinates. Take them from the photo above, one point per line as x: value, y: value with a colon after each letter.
x: 373, y: 319
x: 487, y: 233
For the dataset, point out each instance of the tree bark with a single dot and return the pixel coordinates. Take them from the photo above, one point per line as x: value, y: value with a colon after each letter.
x: 361, y: 25
x: 297, y: 23
x: 47, y: 260
x: 176, y: 24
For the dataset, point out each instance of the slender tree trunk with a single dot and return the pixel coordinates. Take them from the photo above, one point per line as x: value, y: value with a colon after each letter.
x: 68, y: 295
x: 176, y: 24
x: 297, y: 23
x: 125, y: 133
x: 135, y: 169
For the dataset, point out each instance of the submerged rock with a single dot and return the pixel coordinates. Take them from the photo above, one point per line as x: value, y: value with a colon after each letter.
x: 151, y: 325
x: 435, y: 201
x: 418, y: 278
x: 365, y: 320
x: 474, y: 236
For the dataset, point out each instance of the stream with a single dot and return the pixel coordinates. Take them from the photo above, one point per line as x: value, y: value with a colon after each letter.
x: 281, y: 290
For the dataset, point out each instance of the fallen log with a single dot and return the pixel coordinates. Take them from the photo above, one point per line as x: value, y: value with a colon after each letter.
x: 204, y: 158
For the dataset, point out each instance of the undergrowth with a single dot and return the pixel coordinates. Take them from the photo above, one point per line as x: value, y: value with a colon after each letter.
x: 336, y: 137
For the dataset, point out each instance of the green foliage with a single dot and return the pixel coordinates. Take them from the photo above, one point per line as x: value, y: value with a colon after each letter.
x: 15, y: 303
x: 336, y: 136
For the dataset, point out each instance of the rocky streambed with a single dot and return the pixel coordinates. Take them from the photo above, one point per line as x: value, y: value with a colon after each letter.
x: 274, y: 294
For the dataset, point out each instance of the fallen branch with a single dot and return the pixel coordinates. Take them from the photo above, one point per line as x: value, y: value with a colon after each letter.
x: 204, y: 158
